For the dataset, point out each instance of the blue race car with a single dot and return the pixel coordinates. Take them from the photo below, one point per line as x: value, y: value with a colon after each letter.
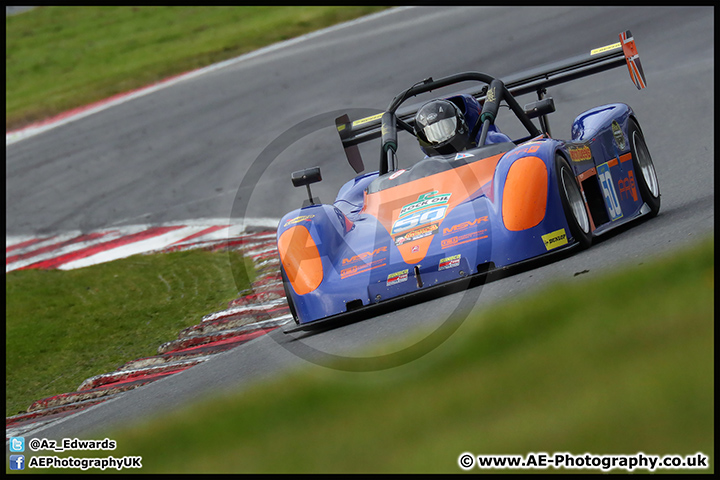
x: 475, y: 201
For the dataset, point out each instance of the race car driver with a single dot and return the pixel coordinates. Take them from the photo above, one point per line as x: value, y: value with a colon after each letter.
x: 444, y: 126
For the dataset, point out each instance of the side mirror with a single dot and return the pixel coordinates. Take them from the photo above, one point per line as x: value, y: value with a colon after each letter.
x: 307, y: 177
x: 540, y: 108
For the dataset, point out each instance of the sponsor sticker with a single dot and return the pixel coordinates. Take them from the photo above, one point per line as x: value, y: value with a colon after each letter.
x: 619, y: 135
x: 417, y: 234
x: 580, y: 154
x: 463, y: 155
x: 605, y: 48
x: 424, y: 201
x: 458, y: 227
x: 367, y: 119
x: 555, y: 239
x: 491, y: 95
x: 397, y: 277
x: 529, y: 147
x: 466, y: 238
x: 357, y: 269
x: 449, y: 262
x: 302, y: 218
x: 396, y: 174
x: 363, y: 256
x: 627, y: 187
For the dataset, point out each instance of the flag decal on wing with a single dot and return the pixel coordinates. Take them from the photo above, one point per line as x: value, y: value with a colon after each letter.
x: 633, y: 60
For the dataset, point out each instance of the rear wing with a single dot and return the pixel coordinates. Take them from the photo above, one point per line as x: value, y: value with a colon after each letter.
x: 536, y: 80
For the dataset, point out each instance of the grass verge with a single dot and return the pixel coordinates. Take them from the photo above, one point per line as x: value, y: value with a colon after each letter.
x: 619, y: 364
x: 58, y: 58
x: 63, y: 327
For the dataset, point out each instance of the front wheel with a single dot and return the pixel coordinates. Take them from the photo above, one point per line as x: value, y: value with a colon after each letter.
x: 573, y: 204
x: 646, y: 178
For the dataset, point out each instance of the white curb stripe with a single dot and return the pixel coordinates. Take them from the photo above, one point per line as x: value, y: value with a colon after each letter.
x: 219, y: 230
x: 40, y: 257
x: 147, y: 245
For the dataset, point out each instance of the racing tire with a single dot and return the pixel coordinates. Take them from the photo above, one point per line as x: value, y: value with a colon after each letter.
x: 645, y: 176
x: 573, y: 203
x: 291, y: 304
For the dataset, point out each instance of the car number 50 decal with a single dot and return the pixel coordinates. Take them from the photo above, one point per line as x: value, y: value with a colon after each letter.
x: 611, y: 198
x: 419, y: 219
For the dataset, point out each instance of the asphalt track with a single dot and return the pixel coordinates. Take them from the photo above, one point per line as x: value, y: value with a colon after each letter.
x: 181, y: 153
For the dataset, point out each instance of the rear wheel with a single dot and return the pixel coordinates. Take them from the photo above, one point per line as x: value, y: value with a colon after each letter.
x: 572, y: 202
x: 646, y: 178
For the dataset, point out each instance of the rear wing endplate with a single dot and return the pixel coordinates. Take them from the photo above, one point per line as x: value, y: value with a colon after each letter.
x: 633, y: 60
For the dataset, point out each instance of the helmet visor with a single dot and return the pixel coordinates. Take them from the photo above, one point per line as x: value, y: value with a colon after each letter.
x: 441, y: 131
